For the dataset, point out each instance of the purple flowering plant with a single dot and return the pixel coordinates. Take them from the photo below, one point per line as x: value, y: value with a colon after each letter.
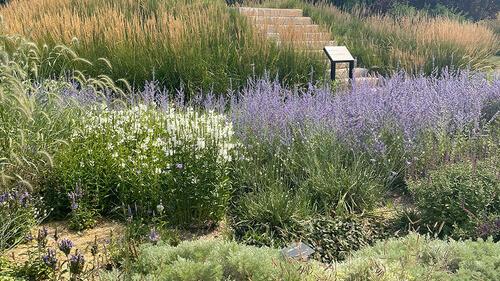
x: 19, y: 212
x: 154, y: 236
x: 76, y: 264
x: 65, y: 245
x: 408, y: 113
x: 50, y: 259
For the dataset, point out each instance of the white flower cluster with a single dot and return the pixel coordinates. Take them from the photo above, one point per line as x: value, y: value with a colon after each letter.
x: 147, y: 139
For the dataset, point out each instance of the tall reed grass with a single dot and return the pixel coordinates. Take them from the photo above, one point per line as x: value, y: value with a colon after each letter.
x: 183, y: 44
x: 411, y: 42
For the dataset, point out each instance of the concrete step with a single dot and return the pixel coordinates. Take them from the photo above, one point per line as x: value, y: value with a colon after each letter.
x: 342, y: 73
x: 306, y: 36
x: 280, y: 20
x: 372, y: 81
x: 309, y: 28
x: 319, y: 44
x: 339, y: 65
x: 248, y: 11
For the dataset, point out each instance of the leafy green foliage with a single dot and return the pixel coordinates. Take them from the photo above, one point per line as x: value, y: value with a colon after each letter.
x: 336, y: 239
x: 458, y: 195
x: 82, y: 219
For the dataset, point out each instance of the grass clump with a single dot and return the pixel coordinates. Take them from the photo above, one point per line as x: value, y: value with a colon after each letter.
x: 461, y: 197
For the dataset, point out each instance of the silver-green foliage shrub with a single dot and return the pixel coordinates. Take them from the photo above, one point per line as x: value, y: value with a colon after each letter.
x: 417, y: 257
x: 143, y: 156
x: 218, y: 260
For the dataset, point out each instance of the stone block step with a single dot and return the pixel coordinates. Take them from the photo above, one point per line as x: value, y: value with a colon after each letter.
x: 319, y: 44
x: 305, y: 36
x: 280, y: 20
x: 309, y: 28
x: 339, y: 65
x: 248, y: 11
x: 371, y: 81
x: 342, y: 73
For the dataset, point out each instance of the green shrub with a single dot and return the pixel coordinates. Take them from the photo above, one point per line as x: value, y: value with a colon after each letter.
x: 458, y: 195
x: 143, y: 156
x: 418, y: 257
x: 337, y: 179
x: 336, y: 239
x: 217, y: 260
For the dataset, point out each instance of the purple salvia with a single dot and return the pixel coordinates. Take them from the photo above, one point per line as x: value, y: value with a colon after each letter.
x: 153, y: 236
x: 50, y: 259
x: 65, y: 245
x: 76, y: 263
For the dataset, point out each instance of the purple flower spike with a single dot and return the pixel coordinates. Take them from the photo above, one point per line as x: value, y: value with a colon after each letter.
x: 76, y: 263
x: 24, y: 198
x: 154, y: 237
x: 42, y: 237
x: 75, y: 196
x: 50, y: 259
x: 4, y: 197
x: 65, y: 246
x: 28, y: 238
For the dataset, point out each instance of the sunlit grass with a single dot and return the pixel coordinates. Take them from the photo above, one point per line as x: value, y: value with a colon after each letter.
x: 191, y: 44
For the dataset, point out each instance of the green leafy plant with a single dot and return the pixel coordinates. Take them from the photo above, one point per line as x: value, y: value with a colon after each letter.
x: 280, y: 185
x: 336, y: 239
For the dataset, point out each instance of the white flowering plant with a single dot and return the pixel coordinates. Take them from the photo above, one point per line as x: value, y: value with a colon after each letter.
x: 144, y: 156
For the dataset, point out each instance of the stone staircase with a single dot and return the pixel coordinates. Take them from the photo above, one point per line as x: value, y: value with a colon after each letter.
x: 290, y: 26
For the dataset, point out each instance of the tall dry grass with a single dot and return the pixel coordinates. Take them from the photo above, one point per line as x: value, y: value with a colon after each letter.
x: 413, y: 42
x: 192, y: 44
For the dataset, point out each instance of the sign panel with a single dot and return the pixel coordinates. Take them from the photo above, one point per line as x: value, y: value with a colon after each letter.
x: 338, y: 54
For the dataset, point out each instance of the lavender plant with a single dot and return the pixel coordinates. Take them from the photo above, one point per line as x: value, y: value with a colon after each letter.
x: 410, y: 110
x: 310, y: 152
